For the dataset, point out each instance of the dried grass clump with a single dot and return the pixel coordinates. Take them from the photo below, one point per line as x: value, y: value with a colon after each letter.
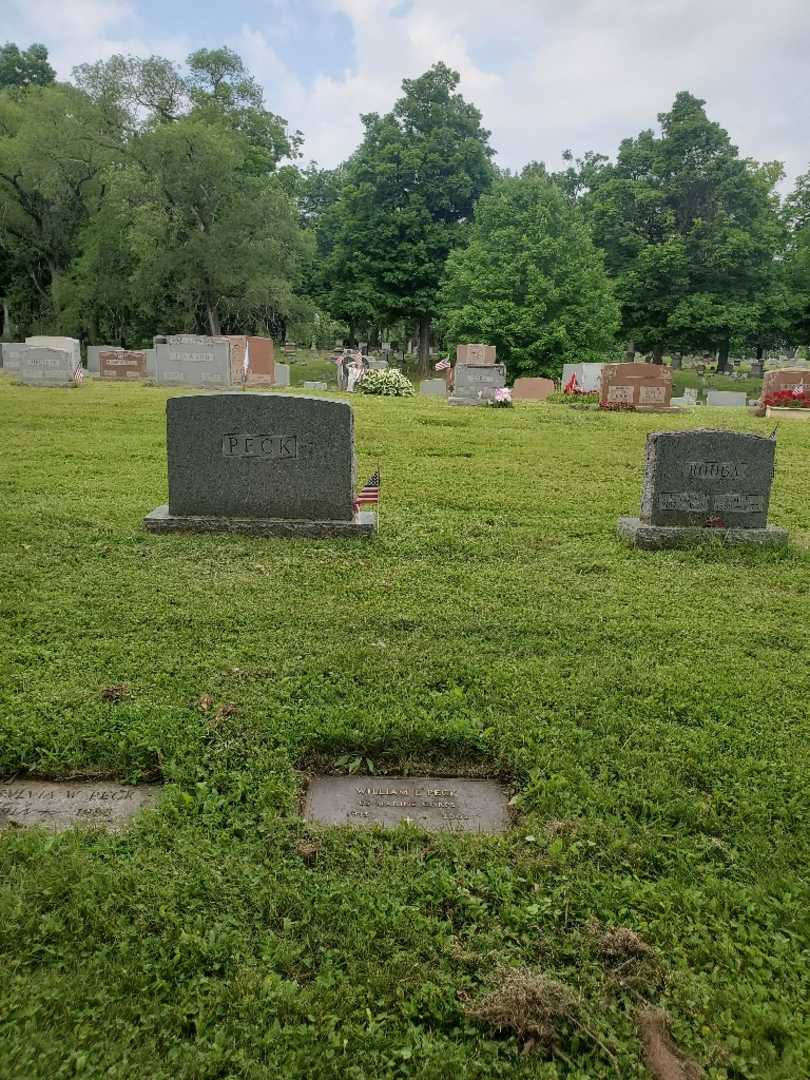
x: 619, y: 944
x: 665, y: 1060
x: 529, y: 1004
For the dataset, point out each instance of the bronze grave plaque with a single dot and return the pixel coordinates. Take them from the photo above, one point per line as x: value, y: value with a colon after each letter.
x: 446, y: 804
x: 60, y: 804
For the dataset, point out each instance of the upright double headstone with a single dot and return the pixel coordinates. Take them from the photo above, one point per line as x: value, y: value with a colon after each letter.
x: 476, y: 375
x: 638, y: 386
x: 263, y: 464
x: 122, y: 365
x: 705, y: 485
x: 38, y: 366
x: 193, y: 360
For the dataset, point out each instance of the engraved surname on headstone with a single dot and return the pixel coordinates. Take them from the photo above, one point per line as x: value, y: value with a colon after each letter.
x: 715, y: 470
x: 447, y: 804
x: 58, y: 805
x: 265, y: 446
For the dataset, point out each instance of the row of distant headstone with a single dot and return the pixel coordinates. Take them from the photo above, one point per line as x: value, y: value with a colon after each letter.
x: 178, y: 360
x: 646, y: 387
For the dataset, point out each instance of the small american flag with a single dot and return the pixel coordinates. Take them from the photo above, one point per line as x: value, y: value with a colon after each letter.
x: 78, y: 374
x: 370, y: 492
x: 442, y: 365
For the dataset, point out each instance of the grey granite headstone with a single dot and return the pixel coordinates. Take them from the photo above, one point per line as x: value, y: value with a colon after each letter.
x: 267, y: 464
x: 64, y: 344
x: 475, y: 384
x: 93, y: 357
x: 726, y: 398
x: 703, y: 485
x: 11, y: 354
x: 198, y: 363
x: 282, y: 374
x: 433, y: 387
x: 45, y: 367
x: 378, y: 365
x: 316, y: 385
x: 58, y: 805
x: 445, y: 804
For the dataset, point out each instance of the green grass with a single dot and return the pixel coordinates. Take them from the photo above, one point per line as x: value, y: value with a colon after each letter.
x: 655, y: 704
x: 689, y: 378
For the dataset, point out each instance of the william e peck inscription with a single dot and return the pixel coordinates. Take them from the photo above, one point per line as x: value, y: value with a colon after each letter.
x: 58, y: 805
x: 446, y: 804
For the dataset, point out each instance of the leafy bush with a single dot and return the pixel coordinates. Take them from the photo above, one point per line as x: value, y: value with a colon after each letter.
x: 392, y: 383
x: 560, y: 398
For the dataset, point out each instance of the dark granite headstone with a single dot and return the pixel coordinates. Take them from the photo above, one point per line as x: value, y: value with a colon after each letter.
x: 476, y: 384
x: 271, y: 464
x: 704, y: 484
x: 56, y: 804
x: 453, y: 804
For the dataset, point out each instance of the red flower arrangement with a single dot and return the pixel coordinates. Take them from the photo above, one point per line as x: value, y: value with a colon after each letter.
x: 788, y: 399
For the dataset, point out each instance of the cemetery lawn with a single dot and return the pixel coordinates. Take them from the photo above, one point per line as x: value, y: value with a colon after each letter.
x: 650, y: 712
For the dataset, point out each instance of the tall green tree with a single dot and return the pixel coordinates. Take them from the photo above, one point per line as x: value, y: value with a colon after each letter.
x: 409, y: 193
x: 531, y: 281
x: 25, y: 67
x: 690, y: 232
x: 50, y: 186
x: 797, y: 260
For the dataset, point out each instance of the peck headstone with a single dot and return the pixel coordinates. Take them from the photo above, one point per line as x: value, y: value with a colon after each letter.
x: 705, y: 485
x: 266, y: 464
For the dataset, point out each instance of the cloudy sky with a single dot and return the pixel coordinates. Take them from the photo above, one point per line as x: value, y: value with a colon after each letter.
x: 547, y: 74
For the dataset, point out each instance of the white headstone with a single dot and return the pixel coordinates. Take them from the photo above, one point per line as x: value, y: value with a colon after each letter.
x: 726, y: 398
x: 66, y: 344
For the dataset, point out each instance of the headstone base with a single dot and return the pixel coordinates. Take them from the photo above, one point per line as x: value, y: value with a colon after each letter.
x: 160, y: 520
x: 659, y: 537
x: 456, y: 400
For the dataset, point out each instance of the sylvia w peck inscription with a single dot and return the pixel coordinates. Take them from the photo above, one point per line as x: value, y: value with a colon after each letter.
x: 58, y: 805
x: 444, y: 804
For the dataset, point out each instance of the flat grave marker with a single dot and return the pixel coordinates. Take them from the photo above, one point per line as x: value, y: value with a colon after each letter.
x: 59, y: 804
x: 443, y: 804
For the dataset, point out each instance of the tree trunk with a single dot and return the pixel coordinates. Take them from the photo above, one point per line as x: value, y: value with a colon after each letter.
x: 8, y: 329
x: 424, y: 343
x: 213, y: 321
x: 760, y: 351
x: 722, y: 357
x: 658, y: 356
x: 630, y: 354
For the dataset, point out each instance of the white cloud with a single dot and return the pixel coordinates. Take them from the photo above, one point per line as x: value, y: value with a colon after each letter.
x: 547, y: 74
x: 582, y: 75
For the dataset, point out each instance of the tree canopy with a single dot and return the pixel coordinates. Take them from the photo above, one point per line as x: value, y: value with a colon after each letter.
x: 530, y: 281
x: 147, y: 195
